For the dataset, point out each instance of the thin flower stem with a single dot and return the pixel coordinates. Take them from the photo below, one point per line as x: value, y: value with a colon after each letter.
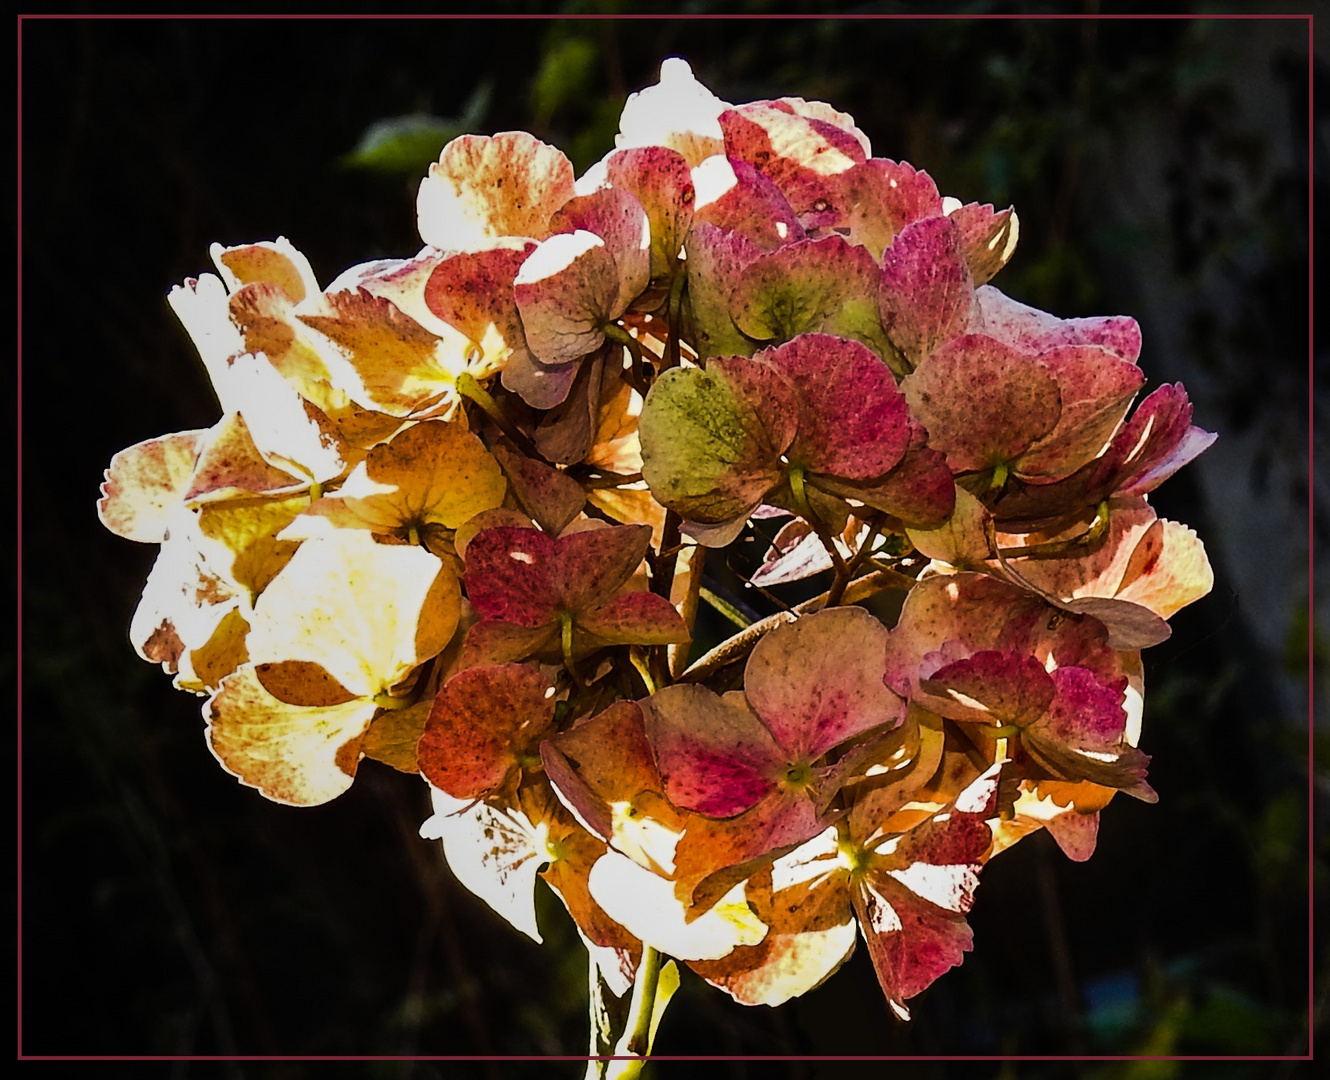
x: 741, y: 644
x: 838, y: 586
x: 815, y: 522
x: 662, y: 577
x: 675, y: 307
x: 724, y: 607
x: 1059, y: 548
x: 639, y: 662
x: 610, y: 480
x: 566, y: 643
x: 642, y: 368
x: 637, y: 1032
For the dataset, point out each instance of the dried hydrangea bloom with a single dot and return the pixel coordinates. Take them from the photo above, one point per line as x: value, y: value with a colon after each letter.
x: 460, y: 510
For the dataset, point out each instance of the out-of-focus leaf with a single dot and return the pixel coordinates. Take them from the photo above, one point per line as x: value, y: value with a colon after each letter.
x: 407, y: 145
x: 563, y: 76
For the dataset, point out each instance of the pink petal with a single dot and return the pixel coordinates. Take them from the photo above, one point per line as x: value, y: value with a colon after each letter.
x: 817, y: 681
x: 863, y: 441
x: 982, y: 402
x: 715, y: 756
x: 991, y: 687
x: 927, y: 291
x: 567, y: 290
x: 615, y: 216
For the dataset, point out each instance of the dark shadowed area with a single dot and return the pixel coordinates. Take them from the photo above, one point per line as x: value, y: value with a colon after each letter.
x: 1159, y: 169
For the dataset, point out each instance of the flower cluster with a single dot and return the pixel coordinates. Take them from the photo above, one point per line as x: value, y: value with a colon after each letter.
x: 456, y: 514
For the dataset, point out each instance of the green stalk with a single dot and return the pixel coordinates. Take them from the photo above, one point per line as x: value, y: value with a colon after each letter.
x: 566, y: 642
x: 637, y: 1031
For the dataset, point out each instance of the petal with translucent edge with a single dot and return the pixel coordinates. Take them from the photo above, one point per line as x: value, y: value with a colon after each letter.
x: 435, y: 473
x: 795, y: 143
x: 473, y: 291
x: 927, y: 292
x: 402, y: 368
x: 912, y: 902
x: 484, y: 721
x: 1167, y: 571
x: 1070, y: 812
x: 268, y: 320
x: 988, y: 237
x: 875, y: 200
x: 144, y: 482
x: 716, y: 756
x: 1082, y: 737
x: 297, y: 754
x: 186, y: 596
x: 203, y: 669
x: 573, y: 851
x: 736, y: 198
x: 990, y: 687
x: 972, y: 609
x: 230, y: 466
x: 567, y: 291
x: 603, y: 771
x: 201, y: 306
x: 1156, y: 442
x: 1096, y: 390
x: 712, y: 440
x: 678, y: 112
x: 817, y: 681
x: 368, y: 613
x: 288, y: 431
x: 662, y: 182
x: 796, y: 553
x: 616, y: 216
x: 862, y: 442
x: 270, y: 262
x: 484, y: 187
x: 812, y: 933
x: 402, y: 282
x: 249, y: 530
x: 910, y: 941
x: 826, y: 285
x: 1032, y: 330
x: 493, y: 852
x: 714, y: 853
x: 644, y: 904
x: 982, y: 402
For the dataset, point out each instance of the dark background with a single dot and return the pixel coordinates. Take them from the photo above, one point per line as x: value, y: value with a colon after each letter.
x: 1159, y: 168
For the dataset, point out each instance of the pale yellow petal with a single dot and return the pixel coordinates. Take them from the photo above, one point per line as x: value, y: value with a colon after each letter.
x: 144, y: 482
x: 297, y: 754
x: 368, y: 613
